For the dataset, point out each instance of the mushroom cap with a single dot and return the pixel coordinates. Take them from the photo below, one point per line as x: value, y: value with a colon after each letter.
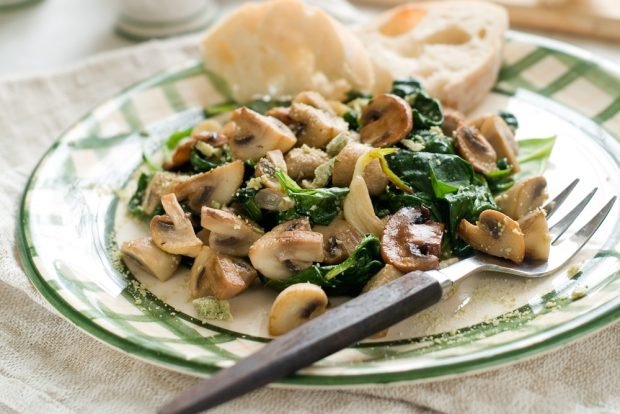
x: 344, y: 166
x: 219, y: 275
x: 536, y: 232
x: 173, y: 232
x: 143, y: 254
x: 266, y: 168
x: 315, y: 100
x: 162, y: 183
x: 523, y: 197
x: 296, y: 305
x: 472, y: 146
x: 496, y: 234
x: 386, y: 120
x: 215, y: 187
x: 452, y: 120
x: 229, y: 233
x: 339, y: 240
x: 256, y: 134
x: 287, y: 249
x: 411, y: 240
x: 314, y: 127
x: 502, y: 139
x: 301, y: 162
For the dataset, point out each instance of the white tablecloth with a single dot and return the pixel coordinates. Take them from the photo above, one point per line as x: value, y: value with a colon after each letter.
x: 49, y: 366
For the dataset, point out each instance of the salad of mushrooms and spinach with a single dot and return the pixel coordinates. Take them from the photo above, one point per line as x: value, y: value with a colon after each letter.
x: 315, y: 197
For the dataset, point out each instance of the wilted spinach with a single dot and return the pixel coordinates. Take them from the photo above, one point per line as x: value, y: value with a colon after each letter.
x: 432, y: 140
x: 246, y: 197
x: 437, y: 174
x: 394, y: 200
x: 467, y: 203
x: 346, y: 278
x: 510, y: 119
x: 533, y: 156
x: 135, y: 202
x: 426, y: 110
x: 319, y: 205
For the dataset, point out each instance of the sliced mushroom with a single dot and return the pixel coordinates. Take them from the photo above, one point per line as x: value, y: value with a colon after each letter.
x: 142, y: 254
x: 412, y: 240
x: 219, y: 275
x: 301, y: 162
x: 339, y: 108
x: 386, y: 275
x: 452, y: 120
x: 255, y: 134
x: 315, y: 100
x: 213, y: 188
x: 296, y: 305
x: 472, y: 146
x: 339, y: 240
x: 523, y: 197
x: 537, y: 238
x: 206, y: 126
x: 344, y: 165
x: 496, y: 234
x: 386, y: 120
x: 266, y: 168
x: 314, y: 127
x: 173, y: 232
x: 501, y: 138
x: 287, y: 249
x: 281, y: 113
x: 357, y: 206
x: 229, y: 233
x: 478, y: 122
x: 162, y: 183
x: 272, y: 199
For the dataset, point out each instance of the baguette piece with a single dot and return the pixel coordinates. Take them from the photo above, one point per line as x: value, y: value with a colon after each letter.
x: 452, y: 47
x: 282, y: 47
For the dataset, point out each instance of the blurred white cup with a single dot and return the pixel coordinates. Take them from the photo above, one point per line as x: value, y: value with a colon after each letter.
x: 145, y: 19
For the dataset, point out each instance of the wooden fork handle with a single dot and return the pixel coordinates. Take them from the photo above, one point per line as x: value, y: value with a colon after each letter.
x: 336, y: 329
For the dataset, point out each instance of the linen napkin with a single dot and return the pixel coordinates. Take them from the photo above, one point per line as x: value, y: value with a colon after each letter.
x: 49, y: 366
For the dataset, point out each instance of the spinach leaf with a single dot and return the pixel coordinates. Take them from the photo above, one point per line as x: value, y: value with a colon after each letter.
x: 353, y: 95
x: 346, y: 278
x: 320, y: 205
x: 500, y: 180
x: 396, y: 200
x: 533, y: 156
x: 510, y: 119
x: 432, y: 140
x: 200, y: 163
x: 353, y: 119
x: 135, y: 202
x: 220, y: 108
x: 426, y: 110
x: 176, y: 137
x: 468, y: 202
x: 437, y: 174
x: 246, y: 197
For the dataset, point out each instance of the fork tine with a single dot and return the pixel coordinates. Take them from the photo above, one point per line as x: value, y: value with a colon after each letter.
x: 553, y: 205
x: 560, y: 227
x: 581, y: 236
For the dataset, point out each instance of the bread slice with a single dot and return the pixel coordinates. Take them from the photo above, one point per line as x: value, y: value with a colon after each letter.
x: 282, y: 47
x: 452, y: 47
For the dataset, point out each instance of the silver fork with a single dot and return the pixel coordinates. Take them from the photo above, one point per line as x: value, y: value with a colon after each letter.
x: 378, y: 309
